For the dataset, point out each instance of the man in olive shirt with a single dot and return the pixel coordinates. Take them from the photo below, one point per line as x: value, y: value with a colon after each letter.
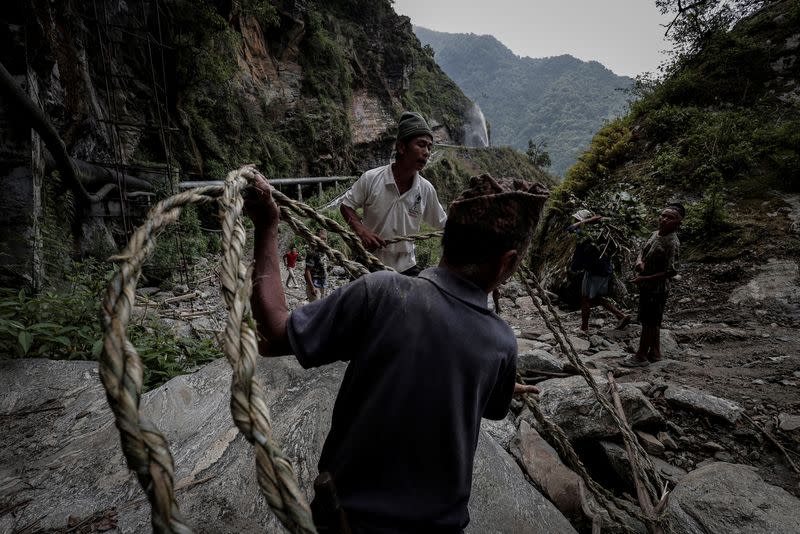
x: 656, y: 265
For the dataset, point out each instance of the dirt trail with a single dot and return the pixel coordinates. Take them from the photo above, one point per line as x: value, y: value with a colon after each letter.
x: 734, y: 323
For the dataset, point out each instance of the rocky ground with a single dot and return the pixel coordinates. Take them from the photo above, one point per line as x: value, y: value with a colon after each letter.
x: 712, y: 414
x: 726, y: 391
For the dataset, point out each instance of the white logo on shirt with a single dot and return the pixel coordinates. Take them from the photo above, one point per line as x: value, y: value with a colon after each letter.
x: 416, y: 209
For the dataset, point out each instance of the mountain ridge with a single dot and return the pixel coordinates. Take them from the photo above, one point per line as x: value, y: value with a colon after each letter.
x: 561, y: 100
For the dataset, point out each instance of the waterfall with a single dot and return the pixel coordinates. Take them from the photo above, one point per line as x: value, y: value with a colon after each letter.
x: 475, y: 133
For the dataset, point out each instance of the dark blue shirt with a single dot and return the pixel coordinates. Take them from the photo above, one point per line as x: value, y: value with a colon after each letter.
x: 428, y: 359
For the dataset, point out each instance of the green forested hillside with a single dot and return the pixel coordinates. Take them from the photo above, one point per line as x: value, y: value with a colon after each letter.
x: 720, y: 132
x: 560, y: 100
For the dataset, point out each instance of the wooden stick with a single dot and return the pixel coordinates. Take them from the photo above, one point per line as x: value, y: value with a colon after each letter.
x: 549, y: 373
x: 644, y: 499
x: 774, y: 441
x: 180, y: 298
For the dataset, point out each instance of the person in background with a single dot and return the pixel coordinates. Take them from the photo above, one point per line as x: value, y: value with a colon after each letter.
x: 290, y: 261
x: 396, y: 199
x: 316, y: 270
x: 597, y: 270
x: 655, y: 266
x: 426, y: 361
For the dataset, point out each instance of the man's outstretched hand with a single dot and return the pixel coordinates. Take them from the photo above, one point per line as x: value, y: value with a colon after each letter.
x: 260, y: 205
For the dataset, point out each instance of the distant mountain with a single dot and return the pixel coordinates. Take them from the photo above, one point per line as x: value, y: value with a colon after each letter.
x: 561, y: 100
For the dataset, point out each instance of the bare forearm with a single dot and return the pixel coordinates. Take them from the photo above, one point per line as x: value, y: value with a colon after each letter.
x: 369, y: 239
x: 351, y: 217
x: 268, y: 301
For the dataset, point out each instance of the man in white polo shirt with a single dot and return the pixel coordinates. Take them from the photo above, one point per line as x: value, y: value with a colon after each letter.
x: 396, y: 198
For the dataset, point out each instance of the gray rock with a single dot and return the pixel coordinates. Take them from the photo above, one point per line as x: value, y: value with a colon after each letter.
x: 697, y: 400
x: 618, y: 460
x: 650, y: 443
x: 571, y: 404
x: 502, y: 431
x: 723, y: 456
x: 667, y: 441
x: 532, y: 333
x: 540, y: 360
x: 669, y: 346
x: 180, y: 329
x: 526, y: 344
x: 776, y: 281
x: 541, y: 462
x: 579, y: 343
x: 641, y: 385
x: 605, y: 354
x: 524, y: 302
x: 60, y: 453
x: 789, y: 422
x: 503, y: 501
x: 207, y: 327
x: 731, y: 498
x: 338, y: 271
x: 596, y: 341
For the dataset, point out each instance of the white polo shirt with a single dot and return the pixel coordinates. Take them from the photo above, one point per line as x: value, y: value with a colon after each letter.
x: 390, y: 214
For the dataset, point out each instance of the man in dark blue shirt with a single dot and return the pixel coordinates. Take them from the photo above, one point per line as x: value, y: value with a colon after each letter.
x: 427, y: 360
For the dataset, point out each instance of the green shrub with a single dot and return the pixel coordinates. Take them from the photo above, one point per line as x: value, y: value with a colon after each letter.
x: 707, y: 216
x: 58, y: 323
x: 63, y: 324
x: 702, y: 146
x: 608, y: 148
x: 179, y: 246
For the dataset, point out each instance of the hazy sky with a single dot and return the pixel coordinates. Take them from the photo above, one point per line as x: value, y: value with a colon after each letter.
x: 623, y: 35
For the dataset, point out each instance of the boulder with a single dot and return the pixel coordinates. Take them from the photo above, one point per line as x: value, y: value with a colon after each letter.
x: 669, y: 346
x: 694, y: 399
x: 532, y: 333
x: 789, y: 423
x: 527, y: 344
x: 541, y: 462
x: 540, y: 360
x: 60, y: 454
x: 524, y: 302
x: 618, y: 460
x: 731, y: 498
x: 502, y: 431
x: 650, y: 443
x: 580, y: 344
x: 571, y: 404
x: 776, y: 281
x: 605, y: 354
x: 503, y: 501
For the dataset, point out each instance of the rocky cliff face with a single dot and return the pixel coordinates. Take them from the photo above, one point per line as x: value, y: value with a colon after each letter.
x: 154, y: 91
x: 295, y: 86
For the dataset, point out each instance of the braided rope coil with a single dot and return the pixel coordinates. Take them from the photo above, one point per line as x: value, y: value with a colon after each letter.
x: 145, y: 448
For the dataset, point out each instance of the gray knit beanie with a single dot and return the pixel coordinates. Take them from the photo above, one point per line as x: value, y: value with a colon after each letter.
x: 412, y: 125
